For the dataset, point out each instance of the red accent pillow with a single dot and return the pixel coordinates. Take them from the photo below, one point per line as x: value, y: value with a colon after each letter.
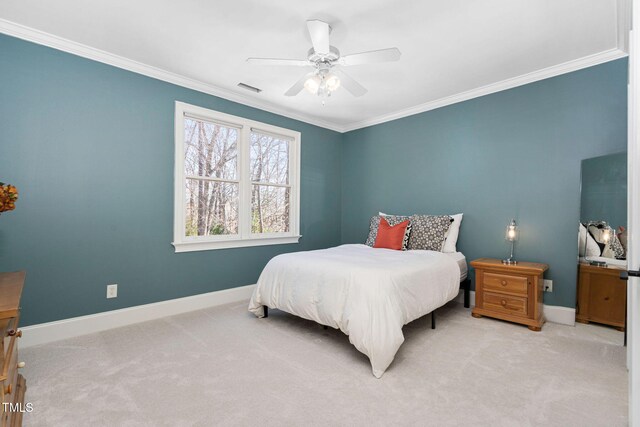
x: 392, y: 237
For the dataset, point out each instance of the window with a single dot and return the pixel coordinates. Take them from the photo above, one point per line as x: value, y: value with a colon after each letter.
x: 236, y: 181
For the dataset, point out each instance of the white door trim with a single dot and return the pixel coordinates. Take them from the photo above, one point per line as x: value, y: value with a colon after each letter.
x: 633, y: 222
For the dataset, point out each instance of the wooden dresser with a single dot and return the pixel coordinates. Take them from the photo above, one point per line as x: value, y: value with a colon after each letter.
x: 12, y: 383
x: 509, y: 292
x: 602, y: 296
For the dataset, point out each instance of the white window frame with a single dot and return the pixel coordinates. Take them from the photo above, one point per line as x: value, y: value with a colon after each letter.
x: 244, y: 238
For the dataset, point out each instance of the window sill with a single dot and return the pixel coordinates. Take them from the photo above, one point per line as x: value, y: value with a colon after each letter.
x: 227, y: 244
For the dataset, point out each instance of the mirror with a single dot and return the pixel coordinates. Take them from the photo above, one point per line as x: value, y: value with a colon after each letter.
x: 603, y: 210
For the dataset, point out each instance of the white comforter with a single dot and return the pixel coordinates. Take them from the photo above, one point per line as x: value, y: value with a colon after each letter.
x: 369, y: 294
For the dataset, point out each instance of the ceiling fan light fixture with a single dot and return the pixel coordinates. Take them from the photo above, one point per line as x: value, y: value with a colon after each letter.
x: 332, y: 82
x: 312, y: 84
x: 322, y: 83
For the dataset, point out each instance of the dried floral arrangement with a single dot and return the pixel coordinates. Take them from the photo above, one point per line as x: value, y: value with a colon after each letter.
x: 8, y: 197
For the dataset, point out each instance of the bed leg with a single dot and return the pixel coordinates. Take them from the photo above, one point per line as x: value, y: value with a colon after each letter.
x: 466, y: 287
x: 266, y: 311
x: 433, y: 319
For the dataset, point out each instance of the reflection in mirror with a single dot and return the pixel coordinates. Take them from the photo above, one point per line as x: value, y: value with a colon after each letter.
x: 603, y: 210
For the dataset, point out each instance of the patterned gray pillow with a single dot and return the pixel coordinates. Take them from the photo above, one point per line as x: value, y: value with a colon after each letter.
x: 596, y: 229
x: 428, y: 231
x: 617, y: 247
x: 374, y: 223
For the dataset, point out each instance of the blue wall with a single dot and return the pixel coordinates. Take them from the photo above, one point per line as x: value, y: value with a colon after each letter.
x: 515, y: 153
x: 604, y: 190
x: 90, y: 148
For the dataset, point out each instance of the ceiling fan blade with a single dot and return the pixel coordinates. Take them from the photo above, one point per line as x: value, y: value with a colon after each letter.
x: 383, y: 55
x: 276, y: 61
x: 319, y: 32
x: 347, y: 82
x: 297, y: 87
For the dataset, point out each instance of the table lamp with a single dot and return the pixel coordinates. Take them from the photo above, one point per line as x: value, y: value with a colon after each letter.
x: 511, y: 236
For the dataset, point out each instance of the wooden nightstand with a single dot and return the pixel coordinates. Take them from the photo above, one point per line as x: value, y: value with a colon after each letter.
x: 602, y: 296
x: 509, y: 292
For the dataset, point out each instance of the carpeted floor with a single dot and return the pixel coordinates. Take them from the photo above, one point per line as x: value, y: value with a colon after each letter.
x: 223, y: 366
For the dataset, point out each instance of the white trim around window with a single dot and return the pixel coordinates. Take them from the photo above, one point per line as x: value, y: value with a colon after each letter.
x: 241, y: 235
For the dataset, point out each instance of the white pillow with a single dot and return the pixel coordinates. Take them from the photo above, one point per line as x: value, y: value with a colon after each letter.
x: 592, y: 248
x: 451, y: 238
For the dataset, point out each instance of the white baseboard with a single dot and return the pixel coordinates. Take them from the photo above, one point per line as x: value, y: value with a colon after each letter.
x: 83, y: 325
x: 553, y: 313
x: 562, y: 315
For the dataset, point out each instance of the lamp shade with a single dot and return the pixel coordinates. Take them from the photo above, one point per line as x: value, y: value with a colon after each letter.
x: 511, y: 233
x: 332, y: 82
x: 312, y: 84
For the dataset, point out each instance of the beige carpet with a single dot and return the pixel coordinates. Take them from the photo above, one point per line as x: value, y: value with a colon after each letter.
x: 223, y: 366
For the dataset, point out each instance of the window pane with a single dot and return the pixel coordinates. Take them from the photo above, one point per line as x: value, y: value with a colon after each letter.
x: 269, y: 209
x: 211, y: 149
x: 269, y: 159
x: 211, y: 208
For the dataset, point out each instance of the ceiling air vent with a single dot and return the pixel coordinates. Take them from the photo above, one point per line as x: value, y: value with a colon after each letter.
x: 251, y: 88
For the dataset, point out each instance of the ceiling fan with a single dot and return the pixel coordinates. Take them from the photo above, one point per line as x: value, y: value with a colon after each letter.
x: 327, y: 76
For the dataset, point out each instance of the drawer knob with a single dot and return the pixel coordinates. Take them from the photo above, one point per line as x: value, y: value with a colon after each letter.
x: 504, y: 283
x: 7, y: 389
x: 13, y: 332
x: 503, y: 302
x: 21, y: 365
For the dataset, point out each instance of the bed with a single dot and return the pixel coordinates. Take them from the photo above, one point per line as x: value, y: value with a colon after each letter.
x: 369, y: 294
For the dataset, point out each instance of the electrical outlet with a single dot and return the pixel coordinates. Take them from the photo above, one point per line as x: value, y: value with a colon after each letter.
x: 112, y: 291
x: 548, y: 285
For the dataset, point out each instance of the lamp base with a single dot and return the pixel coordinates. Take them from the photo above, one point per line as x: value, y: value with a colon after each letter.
x: 509, y: 261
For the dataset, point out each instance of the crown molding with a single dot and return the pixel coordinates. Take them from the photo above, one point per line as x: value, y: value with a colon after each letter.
x: 623, y: 15
x: 65, y: 45
x: 46, y: 39
x: 545, y: 73
x: 623, y: 24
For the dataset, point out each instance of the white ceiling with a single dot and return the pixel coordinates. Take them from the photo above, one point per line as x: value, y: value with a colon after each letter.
x: 451, y: 50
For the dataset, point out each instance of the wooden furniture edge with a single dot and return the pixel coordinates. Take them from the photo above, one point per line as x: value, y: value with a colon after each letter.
x: 21, y: 386
x: 4, y: 374
x: 480, y: 312
x: 16, y: 279
x: 521, y: 267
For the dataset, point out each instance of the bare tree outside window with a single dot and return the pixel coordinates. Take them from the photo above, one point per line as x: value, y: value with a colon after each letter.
x: 270, y: 189
x: 236, y: 181
x: 211, y: 171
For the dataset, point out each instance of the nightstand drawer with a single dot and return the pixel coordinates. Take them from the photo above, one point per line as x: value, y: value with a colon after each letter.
x: 505, y: 304
x: 505, y: 283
